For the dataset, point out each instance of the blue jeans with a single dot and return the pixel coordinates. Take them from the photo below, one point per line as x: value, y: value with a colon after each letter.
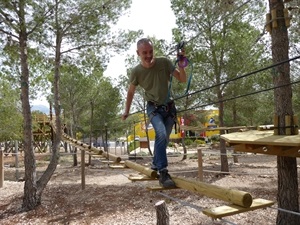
x: 162, y: 122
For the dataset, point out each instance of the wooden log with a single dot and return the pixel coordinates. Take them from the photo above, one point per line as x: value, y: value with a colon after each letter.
x: 200, y: 165
x: 162, y: 213
x: 141, y: 169
x: 81, y: 145
x: 111, y: 157
x: 233, y: 196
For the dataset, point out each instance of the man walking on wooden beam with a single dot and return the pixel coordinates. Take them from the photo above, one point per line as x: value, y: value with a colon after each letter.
x: 153, y: 74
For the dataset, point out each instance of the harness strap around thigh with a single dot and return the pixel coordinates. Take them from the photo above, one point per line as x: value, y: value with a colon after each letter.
x: 167, y: 108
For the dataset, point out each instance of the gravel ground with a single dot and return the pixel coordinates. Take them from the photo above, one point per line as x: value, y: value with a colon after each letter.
x: 110, y: 198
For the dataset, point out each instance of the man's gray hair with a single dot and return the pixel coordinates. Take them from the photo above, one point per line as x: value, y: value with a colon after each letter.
x: 144, y: 41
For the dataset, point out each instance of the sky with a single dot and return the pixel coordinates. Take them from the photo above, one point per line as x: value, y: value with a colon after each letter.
x: 154, y: 17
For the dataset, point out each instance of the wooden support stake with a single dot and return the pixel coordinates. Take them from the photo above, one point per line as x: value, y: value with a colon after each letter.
x: 1, y: 169
x: 82, y: 169
x: 162, y: 213
x: 200, y: 165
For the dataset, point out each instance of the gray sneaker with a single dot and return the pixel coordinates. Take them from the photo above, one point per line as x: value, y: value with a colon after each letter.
x: 165, y: 179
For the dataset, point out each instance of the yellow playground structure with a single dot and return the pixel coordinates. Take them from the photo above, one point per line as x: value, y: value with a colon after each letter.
x: 177, y: 131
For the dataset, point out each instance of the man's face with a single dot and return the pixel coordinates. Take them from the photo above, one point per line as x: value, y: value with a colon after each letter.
x: 145, y: 52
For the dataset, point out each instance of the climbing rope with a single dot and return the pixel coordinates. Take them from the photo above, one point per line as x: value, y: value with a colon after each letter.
x: 182, y: 62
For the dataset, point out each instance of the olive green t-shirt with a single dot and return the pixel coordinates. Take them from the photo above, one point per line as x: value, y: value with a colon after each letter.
x: 154, y: 80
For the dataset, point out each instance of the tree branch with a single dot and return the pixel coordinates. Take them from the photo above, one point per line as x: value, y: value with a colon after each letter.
x: 79, y: 47
x: 7, y: 20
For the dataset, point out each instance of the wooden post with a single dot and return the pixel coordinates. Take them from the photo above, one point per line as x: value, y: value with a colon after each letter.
x: 162, y: 213
x: 1, y: 169
x: 82, y: 169
x: 200, y: 165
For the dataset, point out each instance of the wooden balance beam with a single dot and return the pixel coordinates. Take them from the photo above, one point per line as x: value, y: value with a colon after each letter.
x: 142, y: 169
x: 240, y: 198
x: 236, y: 197
x: 81, y: 145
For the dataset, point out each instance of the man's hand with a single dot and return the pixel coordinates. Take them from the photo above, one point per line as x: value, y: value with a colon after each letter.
x: 183, y: 62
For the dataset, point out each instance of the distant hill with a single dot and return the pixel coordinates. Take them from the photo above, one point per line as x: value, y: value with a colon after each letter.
x: 41, y: 108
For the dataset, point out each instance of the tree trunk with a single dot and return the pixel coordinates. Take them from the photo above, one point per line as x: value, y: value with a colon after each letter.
x: 91, y: 129
x: 224, y: 159
x: 162, y: 213
x: 30, y: 200
x: 287, y: 166
x: 46, y: 176
x: 235, y: 123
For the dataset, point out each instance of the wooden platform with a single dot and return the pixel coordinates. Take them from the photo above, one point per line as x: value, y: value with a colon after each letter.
x: 264, y: 142
x: 140, y: 178
x: 202, y: 128
x: 229, y: 210
x: 118, y: 166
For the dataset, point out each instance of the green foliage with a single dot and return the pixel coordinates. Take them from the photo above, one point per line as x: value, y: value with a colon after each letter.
x: 199, y: 142
x: 215, y: 138
x: 133, y: 145
x: 223, y: 46
x: 171, y: 144
x: 10, y: 113
x: 188, y: 141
